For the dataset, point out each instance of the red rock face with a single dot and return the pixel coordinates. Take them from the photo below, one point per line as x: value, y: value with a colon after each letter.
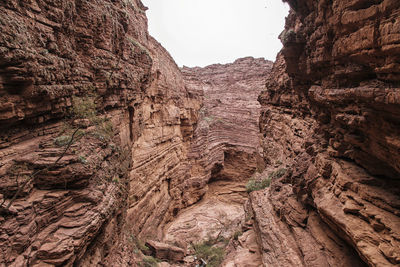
x: 227, y: 132
x: 89, y: 65
x: 103, y: 139
x: 141, y: 153
x: 330, y: 115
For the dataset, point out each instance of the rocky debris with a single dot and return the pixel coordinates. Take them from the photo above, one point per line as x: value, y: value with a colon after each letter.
x: 328, y: 116
x: 166, y: 252
x: 244, y: 251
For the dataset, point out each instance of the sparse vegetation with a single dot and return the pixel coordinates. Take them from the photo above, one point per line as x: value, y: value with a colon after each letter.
x: 141, y: 48
x: 115, y: 179
x: 139, y: 244
x: 83, y: 108
x: 149, y: 261
x: 104, y: 131
x: 62, y: 140
x: 210, y: 253
x: 287, y: 36
x: 255, y: 185
x: 82, y: 159
x: 259, y: 184
x: 237, y: 234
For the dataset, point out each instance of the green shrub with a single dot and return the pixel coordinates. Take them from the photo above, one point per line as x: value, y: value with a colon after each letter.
x: 115, y: 179
x: 82, y: 159
x: 62, y: 140
x: 138, y: 243
x: 104, y: 130
x: 255, y: 185
x: 213, y: 255
x: 287, y: 36
x: 83, y: 107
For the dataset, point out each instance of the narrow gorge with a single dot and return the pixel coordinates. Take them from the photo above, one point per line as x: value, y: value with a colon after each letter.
x: 112, y: 155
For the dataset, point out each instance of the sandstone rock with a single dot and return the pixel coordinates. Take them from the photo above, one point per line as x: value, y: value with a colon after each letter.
x: 74, y: 213
x: 164, y: 251
x: 328, y: 115
x: 219, y: 214
x: 246, y: 253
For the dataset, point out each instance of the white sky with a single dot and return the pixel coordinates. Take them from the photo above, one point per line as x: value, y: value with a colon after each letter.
x: 204, y: 32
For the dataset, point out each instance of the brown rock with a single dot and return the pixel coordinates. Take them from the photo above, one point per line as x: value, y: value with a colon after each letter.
x: 329, y: 115
x: 164, y: 251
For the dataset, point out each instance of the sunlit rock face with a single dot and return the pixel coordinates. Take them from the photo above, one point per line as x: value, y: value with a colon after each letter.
x: 329, y: 116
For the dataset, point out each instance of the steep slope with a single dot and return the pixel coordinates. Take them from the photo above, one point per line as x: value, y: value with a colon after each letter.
x: 102, y: 138
x: 224, y: 154
x: 87, y: 100
x: 330, y: 116
x: 227, y: 134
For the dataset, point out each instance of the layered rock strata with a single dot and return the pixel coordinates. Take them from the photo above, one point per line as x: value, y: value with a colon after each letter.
x: 87, y: 99
x: 227, y: 133
x: 100, y: 142
x: 329, y: 116
x: 224, y: 154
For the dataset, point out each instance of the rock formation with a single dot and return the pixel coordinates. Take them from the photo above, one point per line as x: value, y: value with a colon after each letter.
x: 225, y: 150
x: 100, y: 144
x: 329, y: 115
x: 88, y: 99
x: 106, y: 143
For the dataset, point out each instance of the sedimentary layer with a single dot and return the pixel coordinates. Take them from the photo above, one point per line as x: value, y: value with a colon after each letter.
x: 94, y: 118
x: 329, y: 115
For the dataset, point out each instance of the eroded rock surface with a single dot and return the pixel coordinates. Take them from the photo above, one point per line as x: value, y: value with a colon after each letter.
x: 105, y: 141
x: 329, y: 115
x: 219, y: 214
x: 226, y: 137
x: 89, y: 65
x: 140, y: 155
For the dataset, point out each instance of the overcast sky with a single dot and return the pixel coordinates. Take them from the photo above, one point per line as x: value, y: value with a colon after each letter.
x: 204, y: 32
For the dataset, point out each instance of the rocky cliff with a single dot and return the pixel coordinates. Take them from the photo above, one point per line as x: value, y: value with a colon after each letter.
x: 95, y: 120
x: 104, y: 139
x: 330, y: 116
x: 105, y: 142
x: 227, y: 134
x: 225, y: 153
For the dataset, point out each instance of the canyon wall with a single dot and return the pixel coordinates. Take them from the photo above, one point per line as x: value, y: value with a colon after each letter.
x: 103, y: 138
x: 330, y: 116
x: 227, y: 133
x: 95, y: 121
x: 225, y: 150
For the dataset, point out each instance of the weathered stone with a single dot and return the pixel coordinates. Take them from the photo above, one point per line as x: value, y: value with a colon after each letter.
x: 328, y: 115
x: 164, y: 251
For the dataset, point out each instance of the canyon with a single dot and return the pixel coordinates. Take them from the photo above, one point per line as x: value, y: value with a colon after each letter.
x: 112, y: 155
